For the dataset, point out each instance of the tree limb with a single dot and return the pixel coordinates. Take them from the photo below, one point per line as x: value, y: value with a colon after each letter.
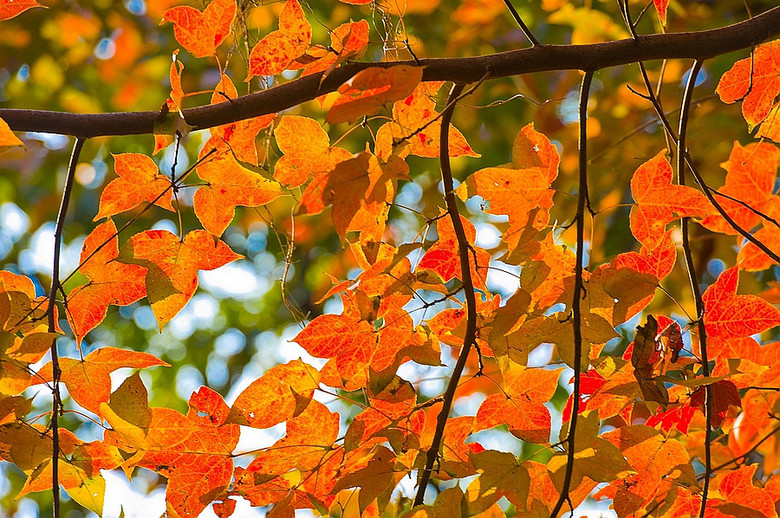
x: 698, y: 45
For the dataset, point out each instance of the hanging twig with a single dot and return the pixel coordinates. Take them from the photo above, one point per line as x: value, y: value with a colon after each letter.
x: 579, y: 288
x: 56, y: 405
x: 468, y: 286
x: 681, y: 131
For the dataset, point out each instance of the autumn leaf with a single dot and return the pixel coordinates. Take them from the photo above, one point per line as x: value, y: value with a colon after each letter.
x: 360, y: 190
x: 728, y: 315
x: 172, y: 266
x: 201, y: 32
x: 239, y: 137
x: 306, y: 149
x: 417, y: 123
x: 12, y: 8
x: 521, y: 406
x: 755, y: 81
x: 139, y: 181
x: 274, y: 53
x: 655, y: 461
x: 370, y: 89
x: 347, y: 41
x: 350, y: 342
x: 7, y: 137
x: 109, y: 282
x: 193, y: 451
x: 89, y: 381
x: 750, y: 178
x: 744, y: 498
x: 658, y: 201
x: 660, y: 7
x: 281, y: 393
x: 229, y: 184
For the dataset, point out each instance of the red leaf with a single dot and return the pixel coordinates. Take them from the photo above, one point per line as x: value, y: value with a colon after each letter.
x: 658, y: 201
x: 754, y: 80
x: 728, y: 315
x: 11, y: 8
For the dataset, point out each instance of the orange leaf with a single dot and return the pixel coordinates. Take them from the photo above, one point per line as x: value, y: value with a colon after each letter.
x: 738, y: 490
x: 194, y: 451
x: 201, y: 32
x: 109, y: 282
x: 754, y: 80
x: 417, y: 123
x: 11, y: 8
x: 238, y: 136
x: 350, y: 342
x: 517, y: 188
x: 347, y: 41
x: 751, y: 257
x: 7, y: 137
x: 278, y: 395
x: 521, y: 405
x: 274, y: 53
x: 89, y: 381
x: 369, y: 90
x: 360, y: 190
x: 306, y: 149
x: 658, y: 201
x: 729, y: 315
x: 228, y: 184
x: 172, y: 266
x: 750, y: 178
x: 139, y: 181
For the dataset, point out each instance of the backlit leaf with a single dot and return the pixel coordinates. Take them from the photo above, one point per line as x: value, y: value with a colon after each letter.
x: 139, y: 181
x: 755, y: 81
x: 370, y: 89
x: 658, y: 201
x: 729, y: 315
x: 12, y: 8
x: 109, y: 282
x: 201, y: 32
x: 172, y: 266
x: 274, y: 53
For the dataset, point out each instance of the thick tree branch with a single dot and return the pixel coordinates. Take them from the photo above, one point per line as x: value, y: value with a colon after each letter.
x: 692, y: 45
x: 468, y: 287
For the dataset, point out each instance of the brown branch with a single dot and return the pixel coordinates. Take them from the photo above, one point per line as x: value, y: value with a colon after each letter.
x: 523, y: 27
x: 469, y: 338
x: 579, y: 288
x: 50, y: 310
x: 691, y: 45
x: 681, y: 163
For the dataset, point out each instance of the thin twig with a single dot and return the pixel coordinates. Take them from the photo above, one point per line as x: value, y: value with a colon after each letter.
x: 693, y: 277
x: 470, y: 335
x: 521, y: 23
x: 55, y: 365
x: 579, y: 289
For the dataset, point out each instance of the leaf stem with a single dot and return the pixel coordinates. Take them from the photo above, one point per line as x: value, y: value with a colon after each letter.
x: 469, y: 338
x: 50, y: 310
x: 579, y: 288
